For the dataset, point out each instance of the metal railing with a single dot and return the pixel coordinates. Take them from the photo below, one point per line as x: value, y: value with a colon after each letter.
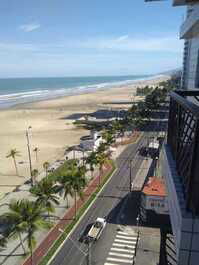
x: 183, y: 140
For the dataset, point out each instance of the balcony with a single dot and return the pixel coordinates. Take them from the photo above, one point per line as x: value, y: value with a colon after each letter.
x: 179, y: 165
x: 183, y: 141
x: 190, y: 27
x: 184, y: 2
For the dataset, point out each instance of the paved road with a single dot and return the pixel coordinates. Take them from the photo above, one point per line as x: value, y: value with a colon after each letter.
x: 107, y: 204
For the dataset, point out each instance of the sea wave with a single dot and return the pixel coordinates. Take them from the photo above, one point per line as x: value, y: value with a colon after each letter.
x: 8, y: 100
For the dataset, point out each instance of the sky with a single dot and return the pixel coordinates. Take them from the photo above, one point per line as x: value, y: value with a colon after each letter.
x: 44, y: 38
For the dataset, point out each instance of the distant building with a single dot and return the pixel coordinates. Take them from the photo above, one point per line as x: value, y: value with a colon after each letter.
x: 154, y: 199
x: 91, y: 142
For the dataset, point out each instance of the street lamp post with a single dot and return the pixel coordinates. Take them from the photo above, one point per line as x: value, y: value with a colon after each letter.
x: 156, y: 166
x: 137, y: 223
x: 29, y: 153
x: 130, y: 176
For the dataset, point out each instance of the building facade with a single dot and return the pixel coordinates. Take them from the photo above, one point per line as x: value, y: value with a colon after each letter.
x: 179, y: 159
x: 189, y: 31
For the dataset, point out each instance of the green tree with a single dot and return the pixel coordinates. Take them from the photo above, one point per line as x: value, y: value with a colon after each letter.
x: 34, y: 174
x: 64, y: 187
x: 25, y: 216
x: 77, y: 183
x: 46, y: 191
x: 102, y: 159
x: 108, y: 137
x: 46, y: 166
x: 13, y: 153
x: 92, y: 161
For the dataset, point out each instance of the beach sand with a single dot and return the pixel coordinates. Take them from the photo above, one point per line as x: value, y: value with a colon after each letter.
x: 50, y: 132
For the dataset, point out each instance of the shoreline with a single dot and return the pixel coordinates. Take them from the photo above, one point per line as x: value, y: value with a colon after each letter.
x: 77, y: 91
x: 50, y: 132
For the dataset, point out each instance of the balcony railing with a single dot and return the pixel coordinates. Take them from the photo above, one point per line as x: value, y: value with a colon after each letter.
x: 183, y: 139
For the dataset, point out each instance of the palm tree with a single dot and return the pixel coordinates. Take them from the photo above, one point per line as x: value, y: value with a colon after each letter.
x: 45, y: 191
x: 36, y: 150
x: 34, y: 174
x: 101, y: 148
x: 102, y: 158
x: 108, y: 136
x: 46, y: 166
x: 91, y: 160
x: 65, y: 186
x: 13, y: 153
x: 77, y: 183
x: 25, y: 216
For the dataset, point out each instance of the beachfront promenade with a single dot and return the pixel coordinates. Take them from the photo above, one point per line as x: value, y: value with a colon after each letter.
x: 13, y: 254
x: 110, y: 204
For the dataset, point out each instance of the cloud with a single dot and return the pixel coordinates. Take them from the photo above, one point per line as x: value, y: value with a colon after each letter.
x: 122, y: 38
x: 129, y: 44
x: 29, y: 27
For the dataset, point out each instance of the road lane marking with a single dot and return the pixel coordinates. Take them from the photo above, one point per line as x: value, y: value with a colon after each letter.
x: 125, y: 241
x: 126, y: 237
x: 121, y: 255
x: 120, y: 260
x: 123, y: 245
x: 123, y: 250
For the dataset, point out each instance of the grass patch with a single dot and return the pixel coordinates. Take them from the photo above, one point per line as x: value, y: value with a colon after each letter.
x: 80, y: 212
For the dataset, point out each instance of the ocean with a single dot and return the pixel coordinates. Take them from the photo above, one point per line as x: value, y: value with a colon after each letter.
x: 15, y: 91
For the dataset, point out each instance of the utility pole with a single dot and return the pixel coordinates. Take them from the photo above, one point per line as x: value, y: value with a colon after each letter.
x: 29, y: 154
x: 130, y: 176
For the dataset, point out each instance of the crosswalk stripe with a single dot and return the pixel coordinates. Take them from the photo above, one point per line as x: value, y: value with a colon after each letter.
x: 126, y: 234
x: 126, y: 237
x: 108, y: 263
x: 122, y: 233
x: 125, y: 241
x: 123, y: 245
x: 123, y: 250
x: 120, y: 260
x: 121, y: 255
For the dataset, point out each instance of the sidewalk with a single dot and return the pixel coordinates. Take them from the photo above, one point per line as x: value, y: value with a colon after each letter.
x: 142, y: 174
x: 13, y: 253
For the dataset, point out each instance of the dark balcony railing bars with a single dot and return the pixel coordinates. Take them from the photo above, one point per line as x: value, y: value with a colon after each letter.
x: 183, y: 139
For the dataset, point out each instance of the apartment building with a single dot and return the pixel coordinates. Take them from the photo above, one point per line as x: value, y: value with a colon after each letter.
x: 179, y: 159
